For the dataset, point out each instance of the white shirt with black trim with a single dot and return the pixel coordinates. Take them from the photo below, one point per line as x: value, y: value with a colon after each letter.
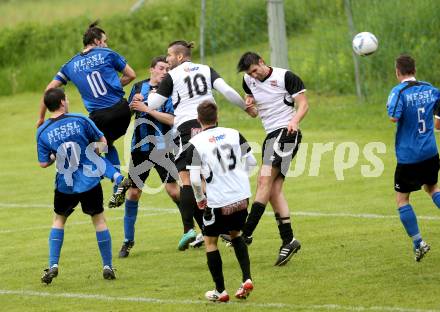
x: 218, y: 153
x: 274, y: 96
x: 189, y: 84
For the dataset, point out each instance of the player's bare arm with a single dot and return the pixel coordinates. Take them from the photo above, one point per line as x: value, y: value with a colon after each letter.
x: 128, y: 75
x: 302, y: 109
x: 251, y: 108
x: 437, y: 123
x: 164, y: 118
x: 47, y: 164
x: 52, y: 84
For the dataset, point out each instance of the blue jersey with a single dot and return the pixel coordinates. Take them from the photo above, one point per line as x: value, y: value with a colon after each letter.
x: 413, y: 104
x: 95, y: 74
x: 149, y: 131
x: 68, y: 137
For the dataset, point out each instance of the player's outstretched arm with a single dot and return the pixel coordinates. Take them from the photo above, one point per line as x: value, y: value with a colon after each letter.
x: 42, y: 112
x: 128, y: 75
x: 228, y: 92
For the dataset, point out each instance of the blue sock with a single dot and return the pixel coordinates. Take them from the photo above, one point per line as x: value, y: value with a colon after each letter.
x: 131, y: 209
x: 105, y: 246
x: 56, y: 237
x: 110, y: 170
x: 113, y: 157
x: 436, y: 199
x: 409, y: 221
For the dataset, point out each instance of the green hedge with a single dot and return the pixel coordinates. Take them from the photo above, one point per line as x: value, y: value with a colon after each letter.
x: 319, y: 44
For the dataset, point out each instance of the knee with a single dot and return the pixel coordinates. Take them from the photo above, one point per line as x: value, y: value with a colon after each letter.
x: 402, y: 199
x: 431, y: 189
x: 134, y: 193
x: 173, y: 191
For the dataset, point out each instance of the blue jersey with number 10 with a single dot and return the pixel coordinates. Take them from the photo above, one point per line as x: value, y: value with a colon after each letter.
x: 95, y: 74
x: 413, y: 104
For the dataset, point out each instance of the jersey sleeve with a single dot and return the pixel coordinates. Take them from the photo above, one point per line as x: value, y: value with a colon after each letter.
x: 117, y: 61
x: 246, y: 88
x: 62, y: 75
x: 193, y: 159
x: 394, y: 104
x: 93, y: 133
x: 43, y: 151
x: 166, y: 86
x: 214, y: 75
x: 168, y: 107
x: 244, y: 145
x: 294, y: 85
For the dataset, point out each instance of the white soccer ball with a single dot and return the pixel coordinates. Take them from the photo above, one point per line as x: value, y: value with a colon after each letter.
x: 365, y: 43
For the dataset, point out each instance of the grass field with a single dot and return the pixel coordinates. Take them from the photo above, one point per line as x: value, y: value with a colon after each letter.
x: 46, y: 12
x: 355, y: 255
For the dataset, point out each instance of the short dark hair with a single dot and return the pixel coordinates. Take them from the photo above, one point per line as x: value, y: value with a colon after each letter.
x: 248, y: 59
x: 207, y: 113
x: 405, y: 64
x: 158, y: 59
x: 182, y: 46
x: 92, y: 33
x: 53, y: 98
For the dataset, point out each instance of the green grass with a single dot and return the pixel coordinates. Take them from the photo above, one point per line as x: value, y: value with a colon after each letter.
x: 47, y: 12
x: 346, y: 263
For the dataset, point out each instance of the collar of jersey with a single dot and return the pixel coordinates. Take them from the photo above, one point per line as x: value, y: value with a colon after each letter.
x: 212, y: 127
x: 268, y: 75
x: 409, y: 79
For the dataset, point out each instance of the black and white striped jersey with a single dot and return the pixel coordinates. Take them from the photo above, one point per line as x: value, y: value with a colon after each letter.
x: 189, y: 84
x: 274, y: 96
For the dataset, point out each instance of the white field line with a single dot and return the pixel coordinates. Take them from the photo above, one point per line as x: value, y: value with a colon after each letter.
x: 312, y: 307
x: 295, y: 213
x: 47, y: 226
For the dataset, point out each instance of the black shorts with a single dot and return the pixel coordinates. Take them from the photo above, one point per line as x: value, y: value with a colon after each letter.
x: 142, y: 162
x: 279, y: 149
x: 91, y: 202
x: 410, y: 177
x: 185, y: 132
x: 113, y: 121
x: 215, y: 223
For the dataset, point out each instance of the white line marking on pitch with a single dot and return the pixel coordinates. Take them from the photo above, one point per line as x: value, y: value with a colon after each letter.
x: 295, y: 213
x: 29, y: 293
x: 47, y: 227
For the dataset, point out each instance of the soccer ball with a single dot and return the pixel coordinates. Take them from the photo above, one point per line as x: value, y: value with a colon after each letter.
x: 365, y: 43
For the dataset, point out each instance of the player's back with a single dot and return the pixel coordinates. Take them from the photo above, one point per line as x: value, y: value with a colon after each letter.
x: 68, y: 137
x: 192, y: 84
x: 95, y: 74
x: 221, y: 155
x: 413, y: 104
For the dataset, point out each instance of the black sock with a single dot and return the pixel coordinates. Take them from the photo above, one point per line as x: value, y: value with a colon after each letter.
x: 241, y: 252
x: 254, y: 217
x: 215, y: 267
x: 186, y: 207
x: 286, y: 232
x: 198, y: 216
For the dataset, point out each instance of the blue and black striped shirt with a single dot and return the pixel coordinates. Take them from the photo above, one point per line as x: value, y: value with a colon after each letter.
x: 150, y: 132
